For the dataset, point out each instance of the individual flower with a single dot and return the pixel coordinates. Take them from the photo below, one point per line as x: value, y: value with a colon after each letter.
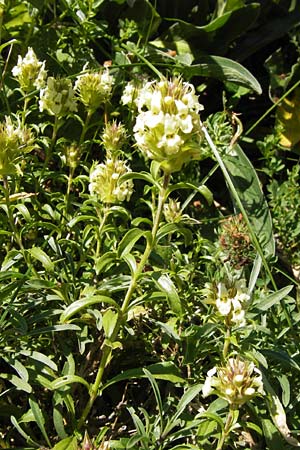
x: 237, y: 382
x: 94, y: 88
x: 58, y: 98
x: 230, y: 299
x: 30, y: 72
x: 15, y: 141
x: 130, y: 94
x: 113, y: 137
x: 167, y: 127
x: 105, y: 181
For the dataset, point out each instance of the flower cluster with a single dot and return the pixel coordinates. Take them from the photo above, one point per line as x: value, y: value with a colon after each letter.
x: 15, y: 140
x: 167, y: 127
x: 30, y: 72
x: 230, y: 299
x: 94, y: 88
x: 58, y: 97
x: 172, y: 211
x: 105, y: 181
x: 238, y: 382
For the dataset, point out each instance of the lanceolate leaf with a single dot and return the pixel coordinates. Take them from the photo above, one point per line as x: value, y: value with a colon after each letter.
x: 223, y: 69
x: 68, y: 379
x: 69, y: 443
x: 160, y: 371
x: 85, y: 302
x: 272, y: 299
x: 167, y: 286
x: 39, y: 418
x: 247, y: 185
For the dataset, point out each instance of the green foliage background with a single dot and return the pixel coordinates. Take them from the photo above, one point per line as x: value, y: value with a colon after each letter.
x: 106, y: 332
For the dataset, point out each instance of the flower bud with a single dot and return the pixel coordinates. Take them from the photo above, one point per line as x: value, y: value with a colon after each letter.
x: 113, y: 138
x: 172, y: 211
x: 72, y: 154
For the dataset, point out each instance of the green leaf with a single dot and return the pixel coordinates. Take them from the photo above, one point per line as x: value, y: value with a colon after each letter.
x: 109, y: 321
x: 68, y: 379
x: 248, y: 188
x: 105, y: 261
x: 166, y: 285
x: 23, y: 433
x: 85, y: 302
x: 39, y: 418
x: 169, y: 228
x: 286, y: 391
x: 277, y: 414
x: 54, y: 328
x: 223, y: 69
x: 20, y: 384
x: 39, y: 254
x: 69, y: 443
x: 267, y: 302
x: 40, y: 357
x: 130, y: 239
x: 157, y: 395
x: 83, y: 218
x: 6, y: 44
x: 202, y: 189
x: 187, y: 397
x: 214, y: 37
x: 161, y: 371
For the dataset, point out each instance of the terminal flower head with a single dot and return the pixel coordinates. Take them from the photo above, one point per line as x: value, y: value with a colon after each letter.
x: 58, y: 97
x: 30, y: 72
x: 94, y: 88
x: 15, y: 141
x: 237, y: 382
x: 167, y: 127
x: 105, y: 181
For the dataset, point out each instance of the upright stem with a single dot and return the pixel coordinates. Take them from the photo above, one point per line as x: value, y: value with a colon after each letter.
x: 14, y: 230
x: 100, y: 229
x: 106, y: 348
x: 85, y: 127
x: 226, y: 430
x: 15, y: 234
x: 226, y: 343
x: 52, y: 143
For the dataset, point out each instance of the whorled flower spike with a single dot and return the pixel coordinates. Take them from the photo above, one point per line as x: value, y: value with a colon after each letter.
x: 30, y: 72
x: 167, y: 127
x: 94, y: 88
x: 15, y: 140
x: 58, y: 97
x: 237, y: 382
x: 104, y: 181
